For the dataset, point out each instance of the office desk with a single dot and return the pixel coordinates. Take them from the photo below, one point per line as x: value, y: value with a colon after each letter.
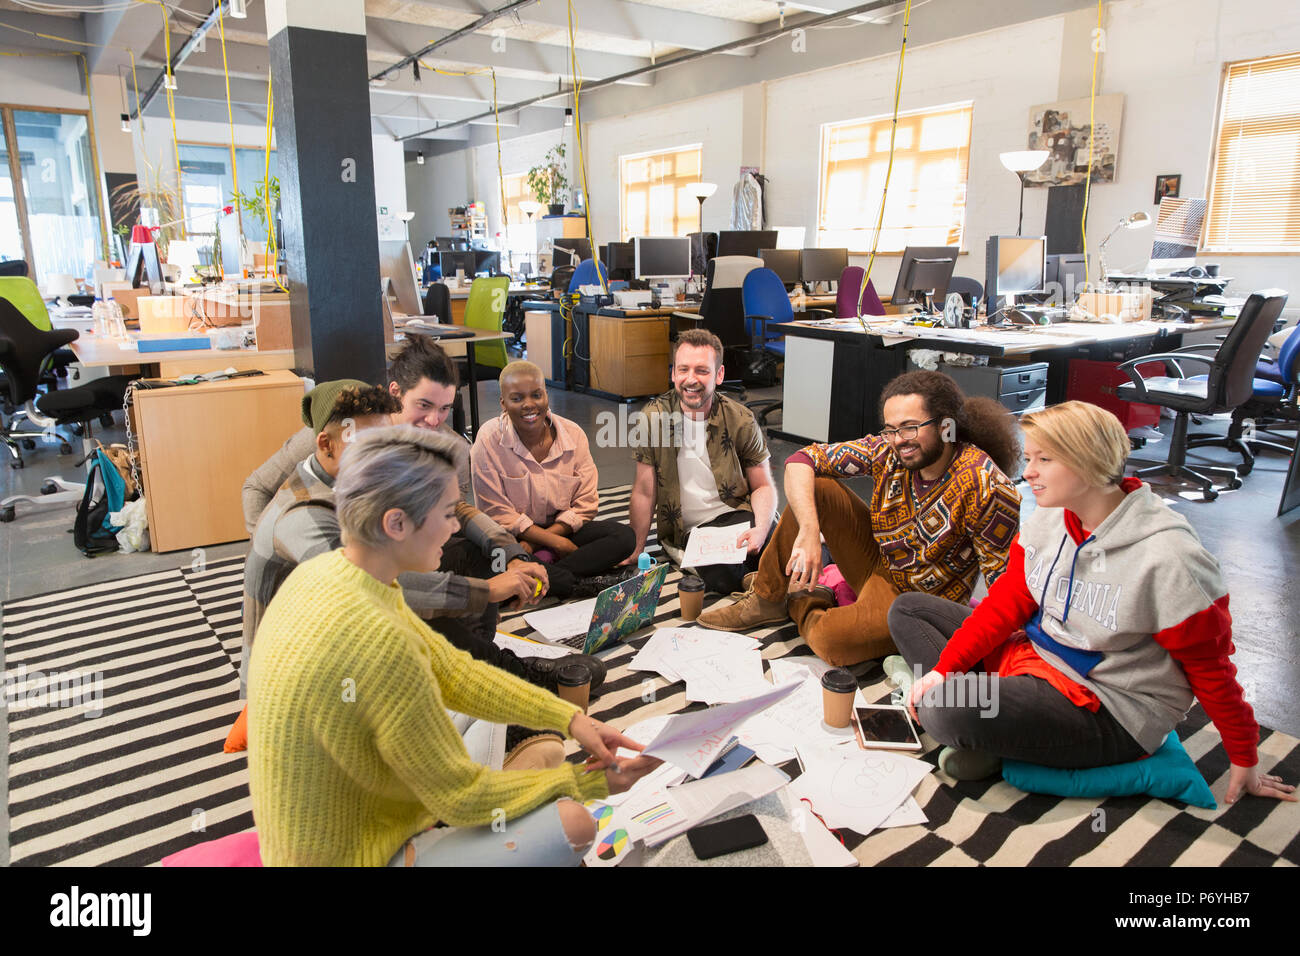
x: 461, y: 295
x: 95, y: 351
x: 456, y: 348
x: 845, y: 404
x: 197, y: 444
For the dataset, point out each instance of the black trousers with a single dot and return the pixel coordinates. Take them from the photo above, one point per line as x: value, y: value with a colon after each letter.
x: 725, y: 578
x: 472, y: 634
x: 1018, y: 718
x: 601, y: 546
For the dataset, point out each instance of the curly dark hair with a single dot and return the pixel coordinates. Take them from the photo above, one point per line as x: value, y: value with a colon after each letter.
x: 421, y: 358
x: 362, y: 402
x: 983, y: 422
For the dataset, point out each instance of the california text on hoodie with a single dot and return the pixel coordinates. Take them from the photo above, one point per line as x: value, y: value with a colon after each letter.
x: 1133, y: 615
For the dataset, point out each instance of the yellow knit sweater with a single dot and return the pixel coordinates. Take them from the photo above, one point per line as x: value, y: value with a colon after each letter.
x: 350, y: 748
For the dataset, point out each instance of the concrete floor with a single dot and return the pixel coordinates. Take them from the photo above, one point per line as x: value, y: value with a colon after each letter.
x: 1254, y: 547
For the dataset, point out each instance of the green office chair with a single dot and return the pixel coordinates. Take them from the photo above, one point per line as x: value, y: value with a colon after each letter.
x: 26, y: 298
x: 486, y: 309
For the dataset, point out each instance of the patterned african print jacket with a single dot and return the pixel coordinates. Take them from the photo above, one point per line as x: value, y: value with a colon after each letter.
x: 735, y: 442
x: 933, y: 538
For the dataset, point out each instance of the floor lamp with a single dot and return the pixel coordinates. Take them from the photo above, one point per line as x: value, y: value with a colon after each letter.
x: 531, y: 207
x: 1020, y: 162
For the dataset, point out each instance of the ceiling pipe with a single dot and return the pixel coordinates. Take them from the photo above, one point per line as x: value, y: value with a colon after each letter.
x: 665, y: 64
x: 469, y: 28
x: 180, y: 56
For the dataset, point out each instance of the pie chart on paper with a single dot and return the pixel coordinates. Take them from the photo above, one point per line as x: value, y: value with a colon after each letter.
x: 612, y: 846
x: 602, y: 815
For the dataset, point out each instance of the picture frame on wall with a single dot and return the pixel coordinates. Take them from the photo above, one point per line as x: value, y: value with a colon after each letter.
x: 1168, y: 185
x: 1076, y: 133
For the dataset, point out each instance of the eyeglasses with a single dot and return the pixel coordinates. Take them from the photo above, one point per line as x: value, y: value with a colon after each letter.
x: 905, y: 432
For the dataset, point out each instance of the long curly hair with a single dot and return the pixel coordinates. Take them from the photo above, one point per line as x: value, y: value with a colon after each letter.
x: 983, y: 422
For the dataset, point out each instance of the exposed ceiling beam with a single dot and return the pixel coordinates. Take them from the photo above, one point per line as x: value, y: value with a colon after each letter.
x: 452, y: 36
x: 181, y: 55
x: 693, y: 55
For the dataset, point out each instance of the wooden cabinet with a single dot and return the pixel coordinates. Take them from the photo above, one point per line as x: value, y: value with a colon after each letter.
x: 629, y: 355
x: 198, y: 443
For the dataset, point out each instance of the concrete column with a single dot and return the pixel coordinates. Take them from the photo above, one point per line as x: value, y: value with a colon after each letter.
x: 327, y: 185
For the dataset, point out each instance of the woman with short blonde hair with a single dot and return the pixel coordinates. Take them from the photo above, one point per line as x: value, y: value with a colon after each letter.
x: 1110, y: 620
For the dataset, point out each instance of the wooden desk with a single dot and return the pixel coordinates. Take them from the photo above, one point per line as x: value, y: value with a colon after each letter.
x: 95, y: 351
x: 197, y: 444
x: 456, y: 348
x: 460, y: 296
x: 844, y: 404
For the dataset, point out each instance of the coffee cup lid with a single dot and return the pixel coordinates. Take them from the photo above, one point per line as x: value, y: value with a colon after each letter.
x: 690, y: 583
x: 839, y: 679
x: 573, y: 675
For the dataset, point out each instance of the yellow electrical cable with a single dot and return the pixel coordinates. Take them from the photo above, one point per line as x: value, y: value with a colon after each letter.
x: 582, y: 161
x: 171, y: 108
x: 1092, y: 135
x: 230, y: 117
x: 94, y: 153
x: 893, y: 130
x: 272, y: 252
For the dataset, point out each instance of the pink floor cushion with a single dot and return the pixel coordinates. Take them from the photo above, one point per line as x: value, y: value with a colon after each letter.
x: 238, y: 849
x: 831, y: 578
x: 544, y: 555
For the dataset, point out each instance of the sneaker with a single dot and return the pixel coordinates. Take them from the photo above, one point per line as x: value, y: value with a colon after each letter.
x: 528, y: 749
x: 589, y: 587
x: 968, y: 764
x: 749, y: 612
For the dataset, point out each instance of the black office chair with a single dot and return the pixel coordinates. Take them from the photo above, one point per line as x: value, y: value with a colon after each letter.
x: 560, y: 279
x: 437, y: 302
x: 1227, y: 384
x: 26, y: 353
x: 722, y: 312
x: 13, y: 267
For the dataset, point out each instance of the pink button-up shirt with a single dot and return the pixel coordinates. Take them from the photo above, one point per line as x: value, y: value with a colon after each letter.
x: 516, y: 490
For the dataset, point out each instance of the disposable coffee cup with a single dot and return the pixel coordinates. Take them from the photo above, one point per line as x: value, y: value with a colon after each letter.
x: 573, y: 683
x: 690, y: 592
x: 838, y: 686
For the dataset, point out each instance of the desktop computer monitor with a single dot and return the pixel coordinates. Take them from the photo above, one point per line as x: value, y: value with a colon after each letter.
x: 1013, y: 265
x: 662, y: 257
x: 620, y: 261
x: 924, y: 274
x: 1064, y: 276
x: 579, y: 250
x: 745, y: 243
x: 822, y: 265
x: 784, y: 262
x: 450, y: 262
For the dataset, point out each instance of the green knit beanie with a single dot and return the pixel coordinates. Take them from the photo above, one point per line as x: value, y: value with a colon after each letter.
x: 318, y: 404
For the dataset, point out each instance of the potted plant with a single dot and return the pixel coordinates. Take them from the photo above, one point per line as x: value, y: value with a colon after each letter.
x: 547, y: 180
x: 154, y: 193
x: 264, y: 203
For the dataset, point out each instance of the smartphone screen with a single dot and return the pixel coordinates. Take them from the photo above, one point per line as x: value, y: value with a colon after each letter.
x: 886, y: 725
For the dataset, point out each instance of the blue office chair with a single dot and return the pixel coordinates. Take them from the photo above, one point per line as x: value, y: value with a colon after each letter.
x: 765, y: 300
x: 586, y: 274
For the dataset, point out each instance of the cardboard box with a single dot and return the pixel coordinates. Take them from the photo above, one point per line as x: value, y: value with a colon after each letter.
x: 271, y: 318
x: 126, y: 297
x: 1125, y: 306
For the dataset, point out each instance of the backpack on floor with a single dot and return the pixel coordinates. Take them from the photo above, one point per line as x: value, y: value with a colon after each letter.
x: 105, y: 492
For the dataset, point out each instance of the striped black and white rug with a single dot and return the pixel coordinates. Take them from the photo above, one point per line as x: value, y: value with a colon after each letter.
x: 148, y: 776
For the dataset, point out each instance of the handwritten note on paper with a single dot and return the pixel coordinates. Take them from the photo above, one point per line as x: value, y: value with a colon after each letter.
x: 857, y: 789
x: 794, y: 722
x: 708, y: 546
x: 567, y: 620
x: 522, y: 648
x: 672, y: 645
x: 724, y: 678
x: 693, y: 741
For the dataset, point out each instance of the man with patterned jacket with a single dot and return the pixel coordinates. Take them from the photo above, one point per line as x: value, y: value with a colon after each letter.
x: 942, y: 510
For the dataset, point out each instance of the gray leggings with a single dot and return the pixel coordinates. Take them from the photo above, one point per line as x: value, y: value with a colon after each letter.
x: 1017, y: 718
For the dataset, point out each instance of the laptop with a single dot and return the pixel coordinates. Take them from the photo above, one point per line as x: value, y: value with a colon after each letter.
x: 619, y: 612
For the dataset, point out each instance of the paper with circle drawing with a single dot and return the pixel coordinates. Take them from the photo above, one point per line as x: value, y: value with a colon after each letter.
x: 693, y: 741
x: 708, y: 546
x: 857, y: 789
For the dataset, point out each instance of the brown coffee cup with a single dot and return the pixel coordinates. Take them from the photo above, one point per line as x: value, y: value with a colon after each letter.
x: 838, y: 687
x: 573, y: 683
x: 690, y: 593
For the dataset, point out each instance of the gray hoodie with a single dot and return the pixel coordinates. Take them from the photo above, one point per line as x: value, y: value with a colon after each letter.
x: 1142, y: 571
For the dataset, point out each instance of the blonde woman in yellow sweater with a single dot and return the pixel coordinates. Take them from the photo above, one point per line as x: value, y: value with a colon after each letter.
x: 352, y: 755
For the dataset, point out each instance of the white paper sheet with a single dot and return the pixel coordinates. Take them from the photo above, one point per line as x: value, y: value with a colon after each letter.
x: 699, y: 801
x: 708, y: 546
x: 693, y: 741
x: 909, y: 814
x: 821, y: 844
x: 724, y: 678
x: 858, y: 789
x: 794, y: 722
x: 562, y: 621
x: 672, y: 645
x: 523, y: 648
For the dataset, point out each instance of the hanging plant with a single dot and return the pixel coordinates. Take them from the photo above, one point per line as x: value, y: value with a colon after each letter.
x: 263, y: 202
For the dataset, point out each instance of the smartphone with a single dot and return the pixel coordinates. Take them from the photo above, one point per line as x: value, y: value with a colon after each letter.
x: 885, y: 726
x: 726, y: 836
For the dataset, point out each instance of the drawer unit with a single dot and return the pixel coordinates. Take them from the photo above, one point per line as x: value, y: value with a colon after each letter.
x: 1021, y: 388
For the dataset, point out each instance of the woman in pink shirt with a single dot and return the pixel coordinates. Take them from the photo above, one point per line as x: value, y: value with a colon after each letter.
x: 534, y: 475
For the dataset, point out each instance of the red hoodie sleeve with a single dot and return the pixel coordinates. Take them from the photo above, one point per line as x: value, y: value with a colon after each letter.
x: 1008, y: 607
x: 1202, y: 644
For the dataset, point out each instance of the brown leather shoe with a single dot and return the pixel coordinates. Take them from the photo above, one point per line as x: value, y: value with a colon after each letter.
x: 801, y: 603
x: 746, y: 585
x: 749, y: 612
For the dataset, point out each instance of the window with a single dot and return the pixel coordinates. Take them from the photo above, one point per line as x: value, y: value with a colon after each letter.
x: 926, y: 205
x: 517, y: 191
x: 655, y: 200
x: 207, y: 186
x: 1255, y: 180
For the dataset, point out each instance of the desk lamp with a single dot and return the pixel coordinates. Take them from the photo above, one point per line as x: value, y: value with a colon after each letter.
x: 1023, y: 161
x: 1138, y: 220
x: 702, y: 191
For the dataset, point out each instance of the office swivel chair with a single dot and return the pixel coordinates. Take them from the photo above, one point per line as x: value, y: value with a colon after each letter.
x: 766, y: 301
x: 588, y: 272
x: 560, y: 279
x: 722, y: 311
x: 437, y: 301
x: 846, y: 295
x: 485, y: 309
x: 13, y: 267
x: 1227, y: 384
x: 23, y: 294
